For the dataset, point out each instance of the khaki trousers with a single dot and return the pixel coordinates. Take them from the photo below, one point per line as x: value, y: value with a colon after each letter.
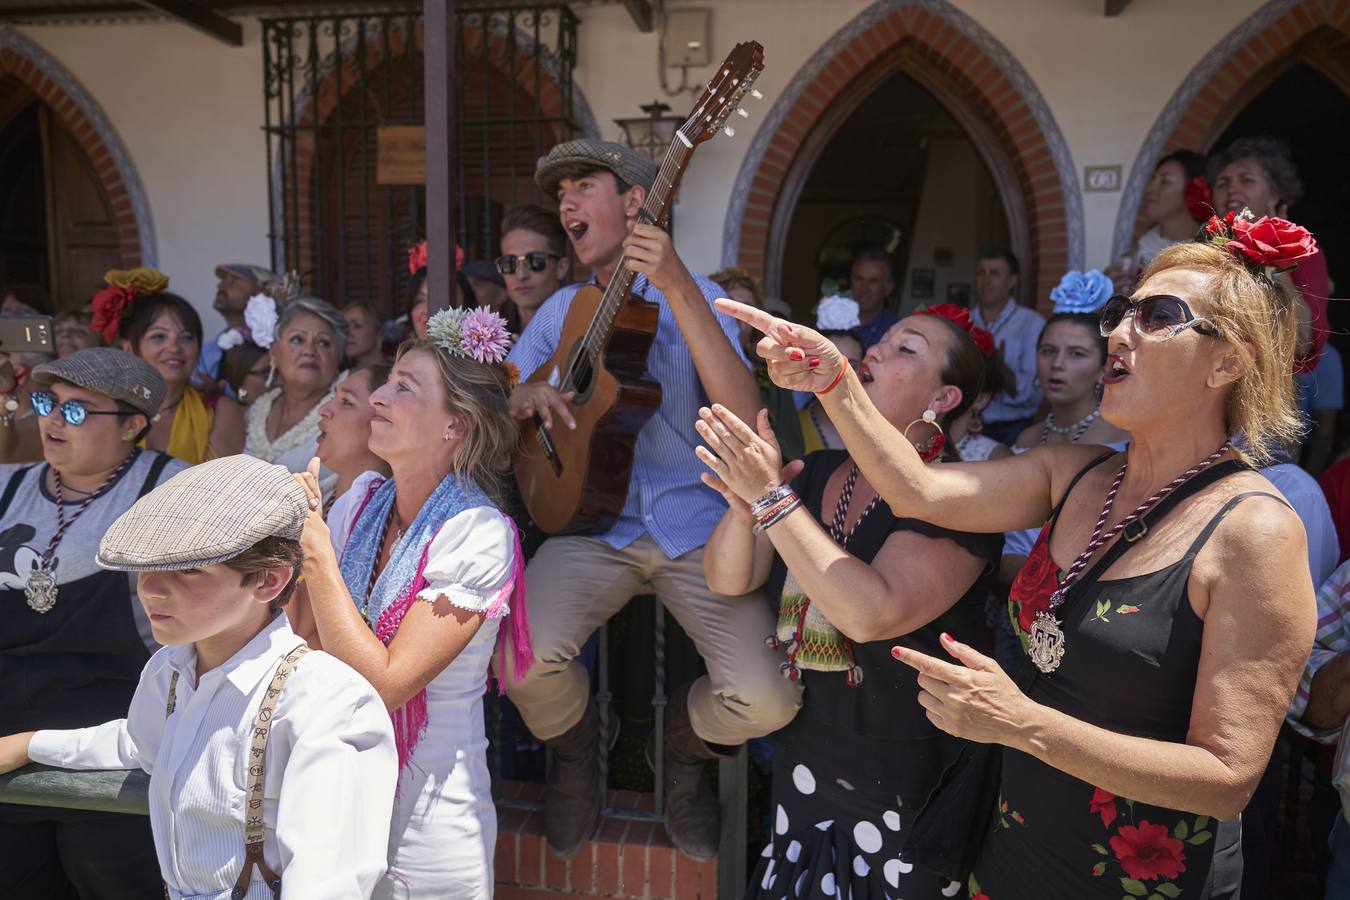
x: 574, y: 585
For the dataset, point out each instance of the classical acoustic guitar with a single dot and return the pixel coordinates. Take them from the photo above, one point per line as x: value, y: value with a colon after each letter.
x: 576, y: 480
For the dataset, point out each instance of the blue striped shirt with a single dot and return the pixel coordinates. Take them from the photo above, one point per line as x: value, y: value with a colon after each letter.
x: 665, y: 496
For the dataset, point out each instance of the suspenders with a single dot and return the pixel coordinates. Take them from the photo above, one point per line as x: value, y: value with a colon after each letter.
x: 253, y: 791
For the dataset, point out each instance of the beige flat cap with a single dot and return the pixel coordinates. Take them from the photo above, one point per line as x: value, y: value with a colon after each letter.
x: 205, y: 515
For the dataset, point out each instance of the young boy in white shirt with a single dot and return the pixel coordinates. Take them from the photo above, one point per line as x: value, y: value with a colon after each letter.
x: 272, y: 769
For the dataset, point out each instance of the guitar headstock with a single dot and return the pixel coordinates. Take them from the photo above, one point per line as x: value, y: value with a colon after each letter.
x: 734, y: 79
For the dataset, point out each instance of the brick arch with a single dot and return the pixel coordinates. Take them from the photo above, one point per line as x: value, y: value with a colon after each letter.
x: 339, y: 79
x: 55, y: 86
x: 980, y: 83
x: 1248, y: 59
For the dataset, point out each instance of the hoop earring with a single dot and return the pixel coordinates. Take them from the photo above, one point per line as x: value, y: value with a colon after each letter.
x: 932, y: 448
x: 271, y: 373
x: 1036, y: 382
x: 976, y: 425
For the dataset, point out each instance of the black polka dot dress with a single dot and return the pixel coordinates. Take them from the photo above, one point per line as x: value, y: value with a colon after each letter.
x: 853, y: 768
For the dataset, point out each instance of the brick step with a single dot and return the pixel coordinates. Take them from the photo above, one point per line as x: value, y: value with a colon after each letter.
x: 627, y: 857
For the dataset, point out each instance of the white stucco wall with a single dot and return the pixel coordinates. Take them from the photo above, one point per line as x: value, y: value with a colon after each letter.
x: 189, y: 109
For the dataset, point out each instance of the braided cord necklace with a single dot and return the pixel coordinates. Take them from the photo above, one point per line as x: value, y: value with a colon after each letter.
x: 41, y: 590
x: 1045, y: 642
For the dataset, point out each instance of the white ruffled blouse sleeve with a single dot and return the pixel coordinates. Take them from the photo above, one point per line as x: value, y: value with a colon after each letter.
x: 471, y: 561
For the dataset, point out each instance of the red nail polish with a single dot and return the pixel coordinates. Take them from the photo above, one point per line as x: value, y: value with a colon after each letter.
x: 813, y: 363
x: 796, y: 355
x: 895, y: 652
x: 947, y: 637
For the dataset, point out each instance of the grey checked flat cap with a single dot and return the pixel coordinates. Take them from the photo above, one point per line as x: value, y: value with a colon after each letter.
x: 112, y: 373
x: 625, y: 162
x: 206, y: 515
x: 246, y: 271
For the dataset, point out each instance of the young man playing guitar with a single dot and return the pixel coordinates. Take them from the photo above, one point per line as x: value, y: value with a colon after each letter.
x: 575, y: 583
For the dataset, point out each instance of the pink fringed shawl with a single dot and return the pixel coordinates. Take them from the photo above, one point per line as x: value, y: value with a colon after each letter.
x: 403, y: 578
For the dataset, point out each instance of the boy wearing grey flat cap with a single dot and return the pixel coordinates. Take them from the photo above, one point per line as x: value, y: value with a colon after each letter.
x: 272, y: 768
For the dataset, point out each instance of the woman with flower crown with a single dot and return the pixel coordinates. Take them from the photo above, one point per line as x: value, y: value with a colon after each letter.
x: 1166, y: 610
x: 851, y: 579
x: 137, y: 313
x: 415, y: 598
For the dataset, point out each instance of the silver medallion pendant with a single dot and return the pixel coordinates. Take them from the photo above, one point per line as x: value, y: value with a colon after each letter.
x: 1045, y: 643
x: 40, y: 590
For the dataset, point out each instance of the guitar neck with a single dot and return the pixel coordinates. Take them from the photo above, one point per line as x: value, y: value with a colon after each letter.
x: 653, y: 212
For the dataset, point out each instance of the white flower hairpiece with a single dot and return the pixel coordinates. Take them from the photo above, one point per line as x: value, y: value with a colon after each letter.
x: 261, y: 317
x: 836, y: 313
x: 230, y: 338
x: 479, y: 334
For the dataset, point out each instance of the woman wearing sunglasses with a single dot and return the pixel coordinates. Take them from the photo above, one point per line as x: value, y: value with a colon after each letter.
x: 1166, y: 610
x: 73, y: 638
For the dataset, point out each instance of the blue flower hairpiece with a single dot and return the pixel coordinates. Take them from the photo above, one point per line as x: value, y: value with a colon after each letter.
x: 1081, y: 292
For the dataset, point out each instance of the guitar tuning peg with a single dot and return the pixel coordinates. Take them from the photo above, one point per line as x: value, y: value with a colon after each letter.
x: 756, y: 94
x: 742, y: 113
x: 730, y: 132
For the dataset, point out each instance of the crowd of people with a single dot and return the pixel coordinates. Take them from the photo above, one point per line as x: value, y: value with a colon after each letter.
x: 1019, y: 604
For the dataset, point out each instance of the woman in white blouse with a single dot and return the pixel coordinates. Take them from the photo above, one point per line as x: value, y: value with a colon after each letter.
x: 282, y: 425
x: 415, y: 599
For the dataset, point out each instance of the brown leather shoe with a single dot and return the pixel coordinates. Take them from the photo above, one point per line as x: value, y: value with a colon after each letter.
x: 572, y: 801
x: 693, y: 813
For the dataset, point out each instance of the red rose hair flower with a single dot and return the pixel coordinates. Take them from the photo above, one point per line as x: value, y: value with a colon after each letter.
x: 110, y: 304
x: 1269, y: 244
x: 961, y: 316
x: 1148, y: 852
x: 417, y: 257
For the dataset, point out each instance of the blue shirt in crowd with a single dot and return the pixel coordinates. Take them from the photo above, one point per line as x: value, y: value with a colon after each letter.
x: 873, y: 331
x: 1016, y: 331
x: 1324, y: 386
x: 666, y: 499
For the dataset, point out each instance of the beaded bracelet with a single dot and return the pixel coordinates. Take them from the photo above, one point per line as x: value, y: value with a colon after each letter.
x: 777, y: 516
x: 772, y: 498
x: 777, y: 508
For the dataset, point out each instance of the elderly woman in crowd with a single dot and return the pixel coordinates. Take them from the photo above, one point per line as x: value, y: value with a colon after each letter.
x: 857, y: 762
x: 1166, y: 608
x: 163, y: 329
x: 310, y: 338
x: 71, y: 331
x: 74, y: 638
x: 414, y: 598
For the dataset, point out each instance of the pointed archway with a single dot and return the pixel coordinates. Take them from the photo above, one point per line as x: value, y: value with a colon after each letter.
x: 986, y: 90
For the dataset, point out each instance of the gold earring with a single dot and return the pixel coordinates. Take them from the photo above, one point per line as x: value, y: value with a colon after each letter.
x: 932, y: 448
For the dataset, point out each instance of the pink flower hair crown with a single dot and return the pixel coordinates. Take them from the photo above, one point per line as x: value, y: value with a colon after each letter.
x: 478, y: 334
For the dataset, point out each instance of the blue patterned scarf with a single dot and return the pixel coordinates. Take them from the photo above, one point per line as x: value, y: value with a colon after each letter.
x: 402, y: 579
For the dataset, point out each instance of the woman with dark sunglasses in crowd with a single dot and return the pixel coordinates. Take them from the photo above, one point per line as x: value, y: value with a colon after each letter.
x: 73, y: 638
x: 1166, y: 610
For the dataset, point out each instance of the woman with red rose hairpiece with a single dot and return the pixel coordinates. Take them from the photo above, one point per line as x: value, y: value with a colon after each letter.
x: 1167, y: 604
x: 852, y: 578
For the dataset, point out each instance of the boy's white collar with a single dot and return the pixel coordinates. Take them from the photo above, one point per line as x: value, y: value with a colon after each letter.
x: 253, y: 662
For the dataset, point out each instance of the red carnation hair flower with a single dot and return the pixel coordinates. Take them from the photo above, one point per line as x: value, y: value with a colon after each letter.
x: 110, y: 304
x: 1198, y: 199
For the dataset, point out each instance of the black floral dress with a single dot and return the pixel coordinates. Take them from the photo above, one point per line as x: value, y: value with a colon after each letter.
x: 1132, y: 653
x: 856, y: 764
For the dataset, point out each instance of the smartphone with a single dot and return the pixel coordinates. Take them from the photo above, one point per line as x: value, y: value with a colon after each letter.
x: 26, y: 334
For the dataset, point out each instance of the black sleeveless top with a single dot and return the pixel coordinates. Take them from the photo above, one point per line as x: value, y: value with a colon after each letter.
x: 1132, y: 653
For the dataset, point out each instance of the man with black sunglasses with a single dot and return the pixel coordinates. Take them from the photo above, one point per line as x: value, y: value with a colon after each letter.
x: 534, y: 260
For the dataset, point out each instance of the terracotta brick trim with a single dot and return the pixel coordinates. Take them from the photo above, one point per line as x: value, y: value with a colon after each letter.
x: 940, y: 46
x: 71, y: 104
x: 1247, y: 59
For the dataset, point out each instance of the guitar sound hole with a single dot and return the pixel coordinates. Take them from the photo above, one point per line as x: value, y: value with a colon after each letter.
x: 583, y: 374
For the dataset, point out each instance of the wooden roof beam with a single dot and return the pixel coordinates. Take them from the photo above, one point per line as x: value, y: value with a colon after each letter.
x: 198, y: 16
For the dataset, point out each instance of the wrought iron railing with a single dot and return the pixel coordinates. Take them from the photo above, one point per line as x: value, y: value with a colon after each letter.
x: 332, y: 82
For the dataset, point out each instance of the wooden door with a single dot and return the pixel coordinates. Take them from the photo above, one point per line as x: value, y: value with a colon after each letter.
x: 82, y: 240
